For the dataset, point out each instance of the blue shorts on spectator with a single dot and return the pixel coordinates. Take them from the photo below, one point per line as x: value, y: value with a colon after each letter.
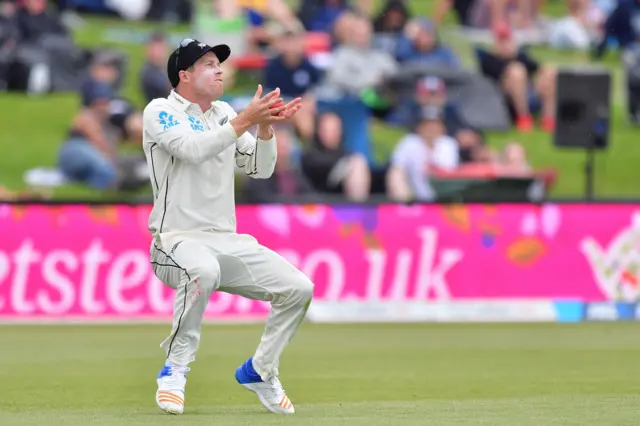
x: 81, y: 161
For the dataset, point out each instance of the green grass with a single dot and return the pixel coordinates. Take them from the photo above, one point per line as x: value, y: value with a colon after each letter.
x: 527, y: 374
x: 36, y: 126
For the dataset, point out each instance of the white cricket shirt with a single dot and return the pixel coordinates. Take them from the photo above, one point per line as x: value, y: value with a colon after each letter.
x: 191, y: 156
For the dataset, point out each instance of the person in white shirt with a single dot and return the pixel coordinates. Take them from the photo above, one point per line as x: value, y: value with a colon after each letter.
x: 192, y: 143
x: 419, y: 153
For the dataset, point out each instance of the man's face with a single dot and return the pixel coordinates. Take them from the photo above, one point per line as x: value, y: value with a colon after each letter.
x: 330, y: 130
x: 105, y: 73
x: 102, y: 107
x: 425, y: 40
x: 361, y: 32
x: 36, y: 6
x: 291, y: 45
x: 157, y: 52
x: 394, y: 19
x: 505, y: 46
x: 205, y: 76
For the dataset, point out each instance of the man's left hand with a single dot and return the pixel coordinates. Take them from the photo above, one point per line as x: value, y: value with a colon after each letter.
x: 285, y: 112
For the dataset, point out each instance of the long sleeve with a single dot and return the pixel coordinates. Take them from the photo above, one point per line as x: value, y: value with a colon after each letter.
x: 255, y: 156
x: 174, y: 135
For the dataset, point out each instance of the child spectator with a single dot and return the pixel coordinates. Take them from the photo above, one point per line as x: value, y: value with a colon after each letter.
x: 418, y: 155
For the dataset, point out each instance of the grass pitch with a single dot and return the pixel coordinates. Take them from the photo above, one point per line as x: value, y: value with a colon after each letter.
x: 431, y: 374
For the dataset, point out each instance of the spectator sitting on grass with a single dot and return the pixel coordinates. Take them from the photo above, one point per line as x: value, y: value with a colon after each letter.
x: 522, y: 79
x: 579, y: 28
x: 35, y: 21
x: 153, y: 75
x: 123, y: 115
x: 418, y: 155
x: 287, y: 182
x: 330, y: 168
x: 430, y: 92
x: 295, y: 75
x: 356, y: 68
x: 389, y: 25
x: 9, y: 37
x: 622, y: 26
x: 89, y: 155
x: 420, y: 45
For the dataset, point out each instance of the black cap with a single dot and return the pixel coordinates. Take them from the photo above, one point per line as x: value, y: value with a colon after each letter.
x: 188, y: 53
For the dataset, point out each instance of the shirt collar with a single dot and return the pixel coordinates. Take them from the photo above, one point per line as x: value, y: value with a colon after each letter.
x: 180, y: 102
x: 184, y: 104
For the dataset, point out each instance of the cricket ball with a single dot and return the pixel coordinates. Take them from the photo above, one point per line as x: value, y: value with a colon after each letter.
x: 278, y: 105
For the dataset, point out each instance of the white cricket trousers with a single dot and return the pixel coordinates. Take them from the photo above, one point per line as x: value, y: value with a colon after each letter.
x: 198, y: 263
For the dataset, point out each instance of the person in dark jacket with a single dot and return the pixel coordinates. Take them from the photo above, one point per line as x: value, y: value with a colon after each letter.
x: 290, y: 70
x: 35, y: 21
x: 330, y: 168
x: 389, y: 25
x: 295, y: 75
x: 623, y: 26
x: 287, y: 183
x: 153, y: 75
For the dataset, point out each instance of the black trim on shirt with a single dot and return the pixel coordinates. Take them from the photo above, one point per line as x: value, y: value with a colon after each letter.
x: 186, y: 294
x: 153, y: 168
x: 166, y: 195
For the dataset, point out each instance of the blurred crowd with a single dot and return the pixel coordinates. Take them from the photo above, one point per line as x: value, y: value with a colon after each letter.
x: 341, y: 57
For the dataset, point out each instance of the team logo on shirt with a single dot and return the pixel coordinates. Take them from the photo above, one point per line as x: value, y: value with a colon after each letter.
x: 224, y: 120
x: 196, y: 124
x: 167, y: 120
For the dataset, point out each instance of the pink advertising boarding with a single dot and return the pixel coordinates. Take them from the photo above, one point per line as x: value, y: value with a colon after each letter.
x: 91, y: 263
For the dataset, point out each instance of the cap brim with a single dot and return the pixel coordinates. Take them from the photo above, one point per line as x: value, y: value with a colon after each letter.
x: 222, y: 51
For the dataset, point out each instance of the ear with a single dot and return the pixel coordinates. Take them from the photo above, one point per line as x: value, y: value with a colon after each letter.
x: 183, y: 75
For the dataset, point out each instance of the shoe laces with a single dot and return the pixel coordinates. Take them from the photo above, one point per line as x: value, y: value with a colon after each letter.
x: 178, y: 378
x: 276, y: 387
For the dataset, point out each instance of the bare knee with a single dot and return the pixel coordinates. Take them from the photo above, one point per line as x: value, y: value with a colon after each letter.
x: 546, y: 79
x: 358, y: 178
x: 358, y: 166
x: 514, y: 74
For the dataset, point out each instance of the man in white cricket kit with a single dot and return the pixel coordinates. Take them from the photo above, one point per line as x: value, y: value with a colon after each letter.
x: 192, y: 143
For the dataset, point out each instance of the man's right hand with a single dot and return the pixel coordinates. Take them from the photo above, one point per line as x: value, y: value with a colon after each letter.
x: 263, y: 109
x: 267, y: 110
